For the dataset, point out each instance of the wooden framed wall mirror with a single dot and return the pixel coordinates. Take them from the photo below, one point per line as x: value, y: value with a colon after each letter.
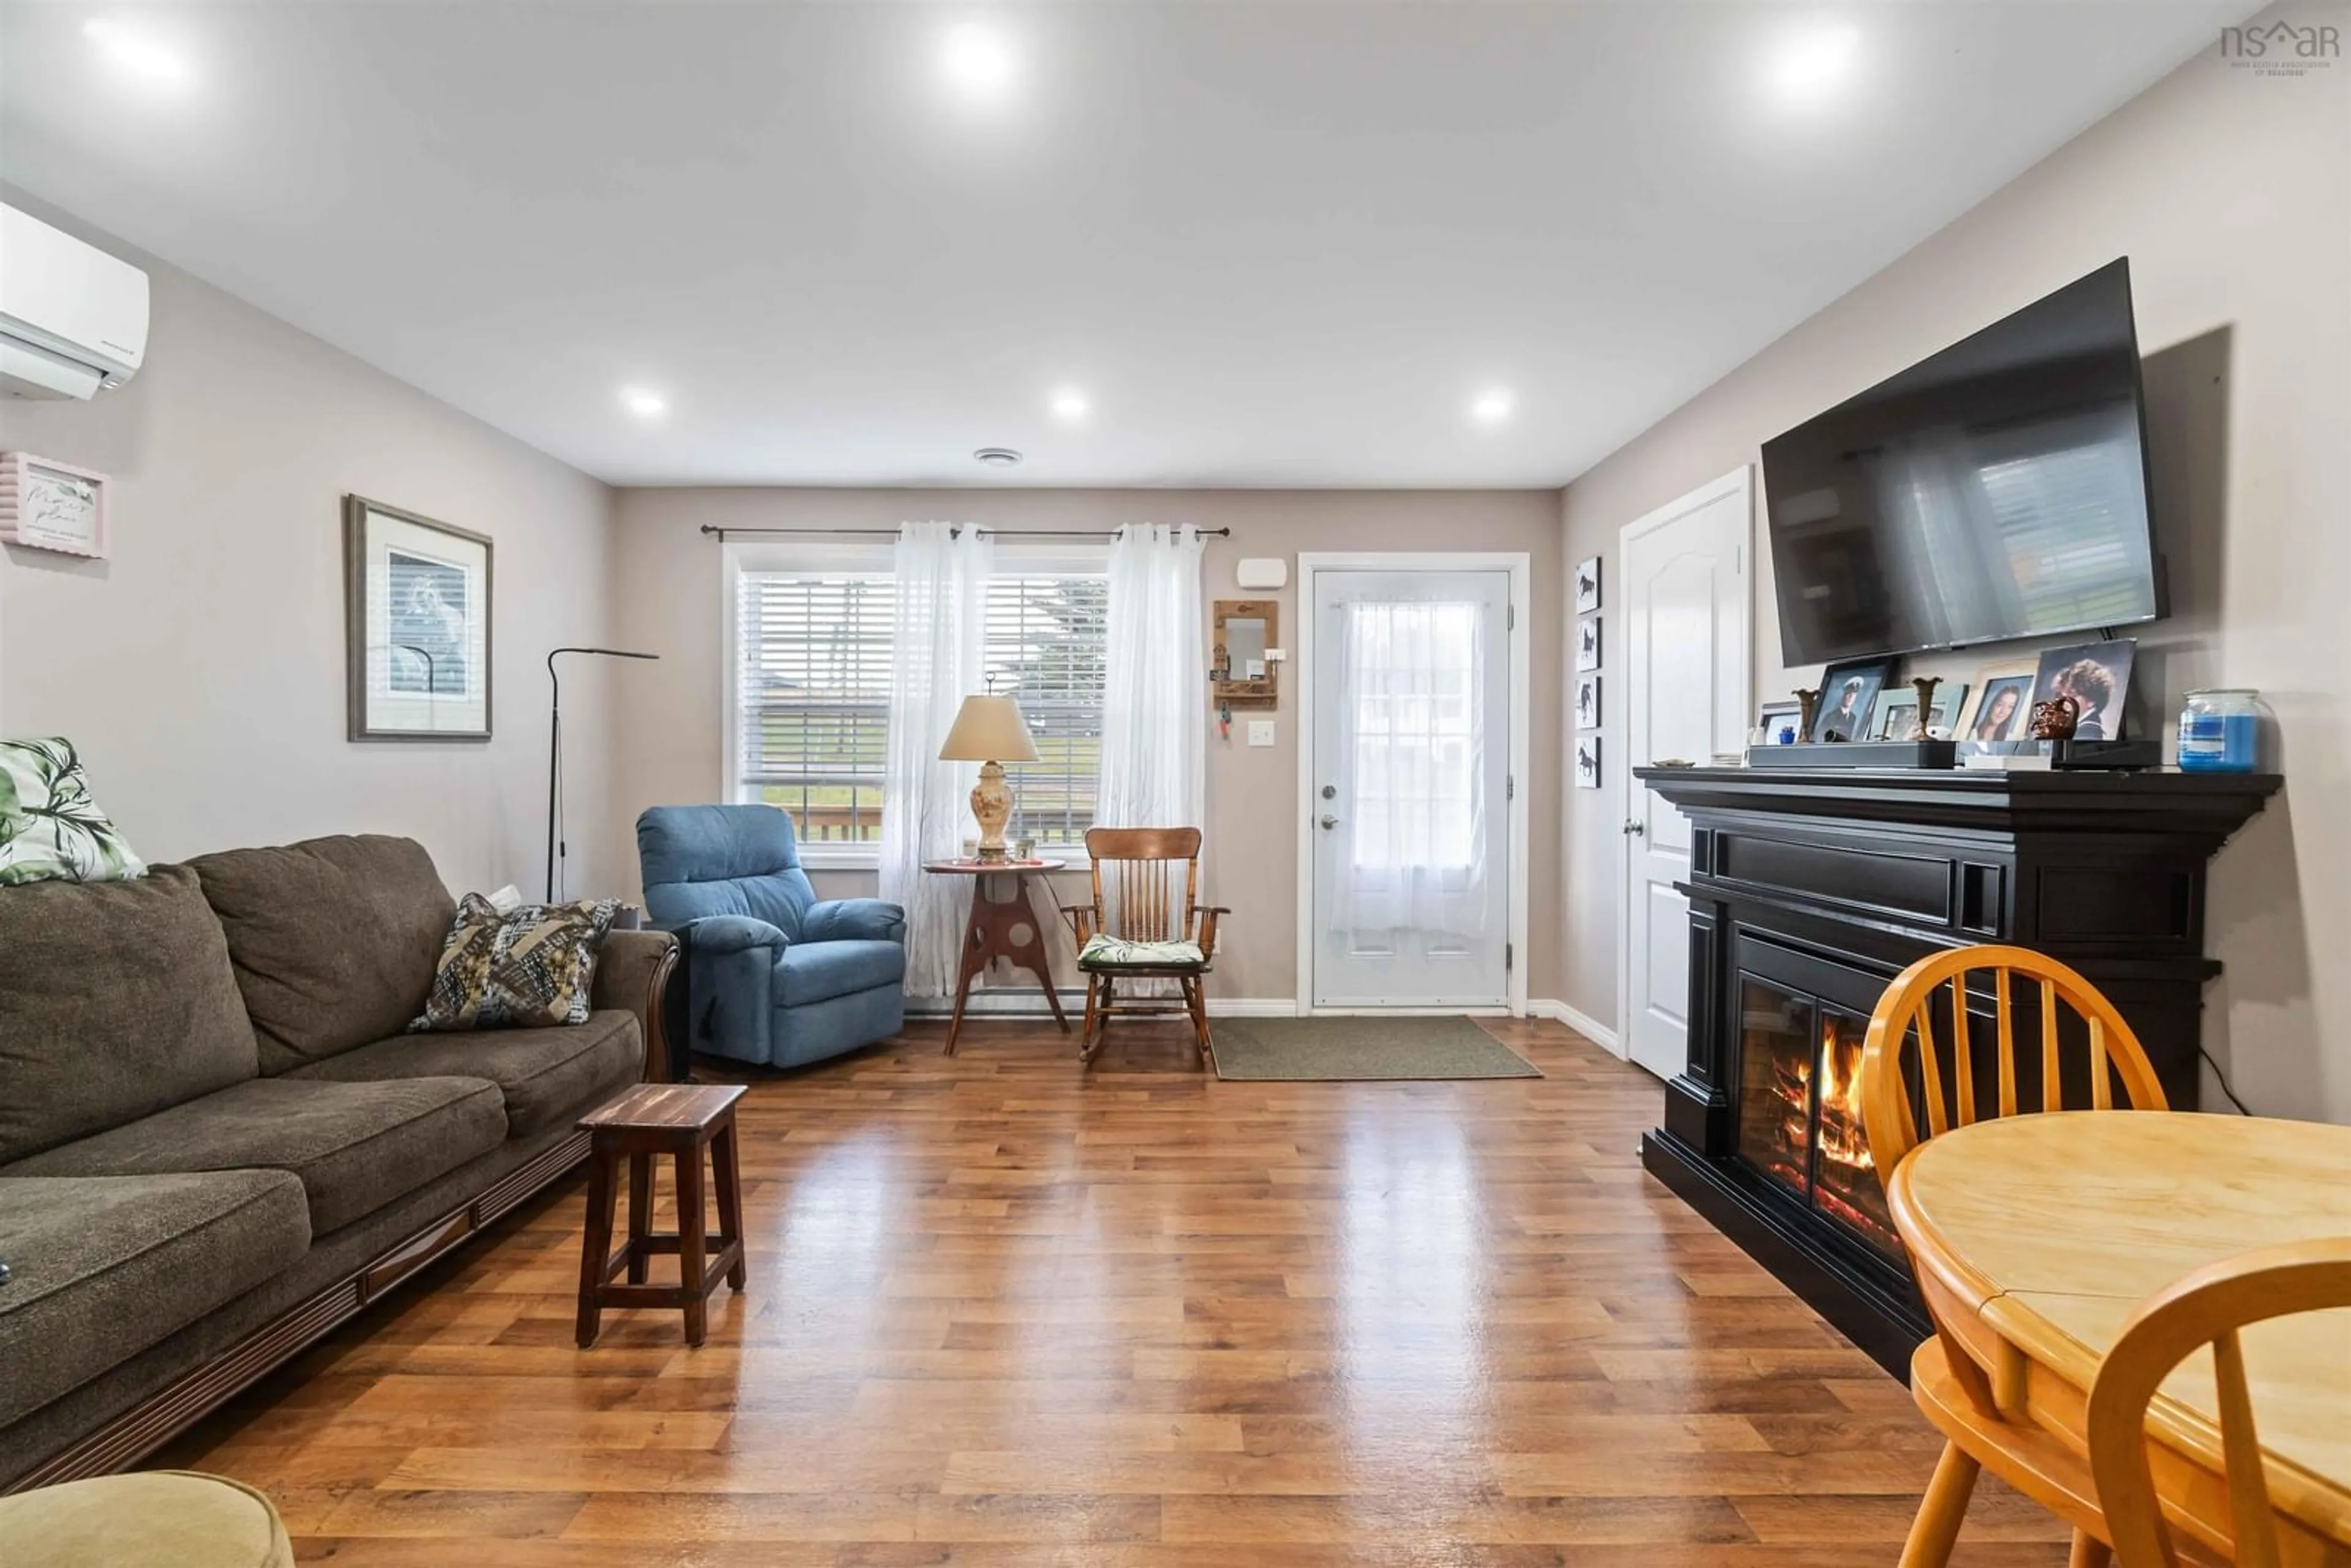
x: 1240, y: 673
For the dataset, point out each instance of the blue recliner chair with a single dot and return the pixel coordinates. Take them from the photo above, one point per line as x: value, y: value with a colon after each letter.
x: 773, y: 975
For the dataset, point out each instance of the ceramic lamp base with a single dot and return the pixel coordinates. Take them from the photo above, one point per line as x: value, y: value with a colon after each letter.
x: 991, y: 804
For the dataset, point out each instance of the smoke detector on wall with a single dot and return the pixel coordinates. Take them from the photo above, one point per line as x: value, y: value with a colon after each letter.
x: 998, y: 457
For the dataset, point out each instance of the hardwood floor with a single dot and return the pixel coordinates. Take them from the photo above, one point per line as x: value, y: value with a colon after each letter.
x: 1002, y: 1311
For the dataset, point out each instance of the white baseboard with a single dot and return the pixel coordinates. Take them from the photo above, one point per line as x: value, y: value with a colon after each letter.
x: 1010, y: 1002
x: 1252, y: 1008
x: 1028, y: 1001
x: 1584, y: 1024
x: 1411, y: 1013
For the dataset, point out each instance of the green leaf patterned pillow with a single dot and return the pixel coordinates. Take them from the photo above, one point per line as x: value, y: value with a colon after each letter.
x: 50, y: 829
x: 1106, y: 952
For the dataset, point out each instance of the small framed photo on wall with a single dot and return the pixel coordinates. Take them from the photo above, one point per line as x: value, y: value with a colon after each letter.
x: 416, y: 625
x: 1588, y: 762
x: 51, y: 505
x: 1587, y: 702
x: 1588, y: 643
x: 1587, y: 586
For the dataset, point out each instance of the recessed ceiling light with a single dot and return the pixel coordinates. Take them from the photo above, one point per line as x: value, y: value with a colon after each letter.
x: 645, y: 404
x: 1071, y: 404
x: 1813, y: 59
x: 978, y: 60
x: 998, y: 457
x: 1492, y: 407
x: 133, y: 51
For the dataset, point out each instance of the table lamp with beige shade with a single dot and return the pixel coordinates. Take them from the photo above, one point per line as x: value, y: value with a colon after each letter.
x: 991, y: 731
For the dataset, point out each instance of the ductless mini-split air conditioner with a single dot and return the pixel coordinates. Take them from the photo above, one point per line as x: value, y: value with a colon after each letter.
x: 73, y: 319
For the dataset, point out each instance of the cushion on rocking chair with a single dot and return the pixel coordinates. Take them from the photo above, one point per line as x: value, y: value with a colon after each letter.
x: 1102, y: 952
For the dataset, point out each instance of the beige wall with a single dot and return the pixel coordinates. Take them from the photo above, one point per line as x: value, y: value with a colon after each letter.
x: 669, y: 714
x: 200, y: 669
x: 2231, y: 195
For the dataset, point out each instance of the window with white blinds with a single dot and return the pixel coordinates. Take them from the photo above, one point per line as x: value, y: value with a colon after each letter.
x: 812, y: 688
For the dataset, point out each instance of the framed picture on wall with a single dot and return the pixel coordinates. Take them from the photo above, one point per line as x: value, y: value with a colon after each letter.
x: 1587, y: 702
x: 1587, y: 586
x: 416, y: 620
x: 1588, y: 643
x: 1588, y: 762
x: 51, y: 505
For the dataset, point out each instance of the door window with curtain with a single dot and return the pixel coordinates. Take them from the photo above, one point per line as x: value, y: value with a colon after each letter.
x: 1411, y: 775
x: 1410, y: 688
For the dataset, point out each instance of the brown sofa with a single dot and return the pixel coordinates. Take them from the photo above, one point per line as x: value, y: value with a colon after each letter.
x: 217, y: 1141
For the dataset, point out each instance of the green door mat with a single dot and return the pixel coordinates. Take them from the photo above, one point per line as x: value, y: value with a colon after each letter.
x: 1337, y: 1049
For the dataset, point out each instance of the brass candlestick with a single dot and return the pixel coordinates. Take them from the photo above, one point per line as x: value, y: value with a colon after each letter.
x: 1808, y: 708
x: 1925, y: 686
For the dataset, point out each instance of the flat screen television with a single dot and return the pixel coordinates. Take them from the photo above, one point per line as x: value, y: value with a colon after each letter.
x: 1995, y: 490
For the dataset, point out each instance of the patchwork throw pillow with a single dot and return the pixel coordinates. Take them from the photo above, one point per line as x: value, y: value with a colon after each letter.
x: 529, y: 969
x: 50, y: 829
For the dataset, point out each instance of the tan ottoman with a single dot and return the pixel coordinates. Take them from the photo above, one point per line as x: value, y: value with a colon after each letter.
x: 172, y: 1518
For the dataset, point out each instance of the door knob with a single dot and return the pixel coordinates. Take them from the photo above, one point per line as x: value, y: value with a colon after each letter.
x: 1634, y: 827
x: 1329, y: 823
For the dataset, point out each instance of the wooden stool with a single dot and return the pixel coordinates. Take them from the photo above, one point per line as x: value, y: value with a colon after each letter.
x: 645, y: 1122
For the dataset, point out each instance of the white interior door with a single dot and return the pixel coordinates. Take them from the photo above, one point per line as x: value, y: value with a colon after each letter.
x: 1411, y: 818
x: 1684, y: 595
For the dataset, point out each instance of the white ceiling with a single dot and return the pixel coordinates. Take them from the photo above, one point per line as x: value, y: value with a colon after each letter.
x: 1275, y: 243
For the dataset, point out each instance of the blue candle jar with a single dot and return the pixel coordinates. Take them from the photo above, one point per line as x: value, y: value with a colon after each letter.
x: 2219, y: 731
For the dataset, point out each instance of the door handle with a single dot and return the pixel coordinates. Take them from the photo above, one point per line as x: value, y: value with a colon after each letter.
x: 1329, y: 823
x: 1633, y: 826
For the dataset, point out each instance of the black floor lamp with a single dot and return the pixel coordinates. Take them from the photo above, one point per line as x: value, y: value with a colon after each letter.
x: 557, y: 850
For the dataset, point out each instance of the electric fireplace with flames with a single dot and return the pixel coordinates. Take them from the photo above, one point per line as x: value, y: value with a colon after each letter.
x: 1800, y: 1106
x: 1808, y: 891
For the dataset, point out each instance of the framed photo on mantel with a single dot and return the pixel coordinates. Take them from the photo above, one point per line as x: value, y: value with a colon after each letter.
x: 417, y: 625
x: 1848, y: 692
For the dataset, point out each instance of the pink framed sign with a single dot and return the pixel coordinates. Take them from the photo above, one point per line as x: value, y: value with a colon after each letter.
x: 47, y: 505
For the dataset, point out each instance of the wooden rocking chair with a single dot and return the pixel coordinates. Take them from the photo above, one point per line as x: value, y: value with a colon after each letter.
x: 1141, y: 933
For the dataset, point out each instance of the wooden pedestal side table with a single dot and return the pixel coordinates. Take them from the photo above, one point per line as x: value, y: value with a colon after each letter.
x: 643, y: 1124
x: 1001, y: 929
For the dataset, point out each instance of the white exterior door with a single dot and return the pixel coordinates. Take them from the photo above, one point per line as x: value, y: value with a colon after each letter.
x: 1684, y: 593
x: 1410, y: 814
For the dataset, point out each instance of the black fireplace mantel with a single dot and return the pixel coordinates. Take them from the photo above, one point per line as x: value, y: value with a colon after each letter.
x: 1835, y: 880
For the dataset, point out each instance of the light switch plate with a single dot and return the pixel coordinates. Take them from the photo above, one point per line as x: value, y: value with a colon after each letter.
x: 1260, y: 732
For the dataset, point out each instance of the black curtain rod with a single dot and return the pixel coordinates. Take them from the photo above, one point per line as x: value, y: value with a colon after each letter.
x: 720, y: 534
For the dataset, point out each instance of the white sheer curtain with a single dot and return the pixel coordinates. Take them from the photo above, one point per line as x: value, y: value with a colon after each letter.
x: 1156, y: 668
x: 1409, y: 783
x: 936, y: 661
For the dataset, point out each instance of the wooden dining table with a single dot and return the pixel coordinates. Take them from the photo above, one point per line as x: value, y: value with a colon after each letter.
x: 2037, y: 1237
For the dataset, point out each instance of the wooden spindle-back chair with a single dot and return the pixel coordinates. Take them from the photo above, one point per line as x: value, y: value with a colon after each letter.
x: 2207, y: 1307
x: 1908, y: 1009
x: 1985, y: 1425
x: 1135, y: 930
